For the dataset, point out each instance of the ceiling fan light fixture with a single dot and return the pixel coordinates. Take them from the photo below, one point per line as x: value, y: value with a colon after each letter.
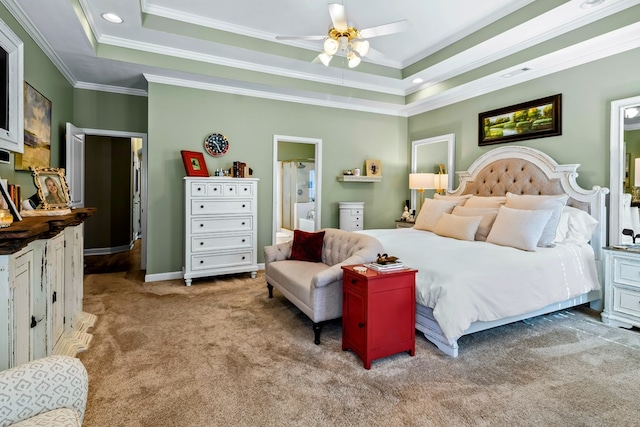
x: 353, y: 59
x: 331, y: 46
x: 361, y: 46
x: 325, y: 58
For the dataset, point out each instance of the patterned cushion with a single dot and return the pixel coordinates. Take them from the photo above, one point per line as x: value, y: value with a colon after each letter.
x: 58, y: 417
x: 41, y: 386
x: 307, y: 246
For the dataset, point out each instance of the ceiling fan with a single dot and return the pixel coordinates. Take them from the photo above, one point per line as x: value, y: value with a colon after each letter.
x: 346, y: 39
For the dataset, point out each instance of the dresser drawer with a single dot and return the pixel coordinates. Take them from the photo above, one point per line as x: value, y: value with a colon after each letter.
x: 353, y: 225
x: 220, y: 206
x: 626, y: 271
x: 355, y: 212
x: 220, y: 260
x: 204, y: 189
x: 209, y: 243
x: 626, y: 301
x: 209, y: 225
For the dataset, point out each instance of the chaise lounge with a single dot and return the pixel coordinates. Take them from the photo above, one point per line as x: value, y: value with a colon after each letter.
x: 316, y: 287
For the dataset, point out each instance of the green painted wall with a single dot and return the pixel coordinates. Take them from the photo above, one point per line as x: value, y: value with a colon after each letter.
x: 180, y: 118
x: 294, y: 151
x: 42, y: 75
x: 587, y: 92
x: 109, y: 111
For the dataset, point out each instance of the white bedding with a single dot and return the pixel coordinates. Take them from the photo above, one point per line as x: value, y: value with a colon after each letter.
x: 468, y: 281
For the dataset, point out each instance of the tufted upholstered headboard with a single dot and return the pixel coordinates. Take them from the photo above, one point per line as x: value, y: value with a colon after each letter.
x: 524, y: 170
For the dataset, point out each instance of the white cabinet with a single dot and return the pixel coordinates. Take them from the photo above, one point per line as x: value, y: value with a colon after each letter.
x: 41, y: 293
x: 351, y: 216
x: 622, y: 288
x: 221, y: 230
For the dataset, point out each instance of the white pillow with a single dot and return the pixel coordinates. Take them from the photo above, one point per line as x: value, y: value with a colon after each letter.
x: 575, y: 226
x: 488, y: 217
x: 485, y: 202
x: 531, y: 202
x: 458, y: 227
x: 431, y: 212
x: 518, y: 228
x: 460, y: 199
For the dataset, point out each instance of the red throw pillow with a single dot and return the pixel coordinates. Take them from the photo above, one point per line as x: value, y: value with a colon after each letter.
x: 307, y: 246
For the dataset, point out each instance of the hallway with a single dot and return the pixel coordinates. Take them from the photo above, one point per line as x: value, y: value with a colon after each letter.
x: 128, y: 261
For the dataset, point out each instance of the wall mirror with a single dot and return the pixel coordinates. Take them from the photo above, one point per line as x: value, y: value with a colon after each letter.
x: 427, y: 154
x: 297, y: 182
x: 624, y: 177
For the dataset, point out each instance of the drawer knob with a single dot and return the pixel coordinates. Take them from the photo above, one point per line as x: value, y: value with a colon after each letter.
x: 246, y: 189
x: 244, y: 240
x: 243, y: 257
x: 201, y: 225
x: 201, y: 206
x: 354, y: 281
x: 201, y: 243
x: 244, y: 206
x: 215, y: 189
x: 243, y: 223
x: 360, y: 325
x: 201, y: 262
x: 199, y: 189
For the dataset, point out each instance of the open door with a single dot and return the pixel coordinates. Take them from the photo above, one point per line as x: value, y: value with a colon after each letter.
x: 75, y: 165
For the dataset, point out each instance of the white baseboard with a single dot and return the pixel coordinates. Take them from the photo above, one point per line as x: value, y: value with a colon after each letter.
x: 158, y: 277
x: 109, y: 251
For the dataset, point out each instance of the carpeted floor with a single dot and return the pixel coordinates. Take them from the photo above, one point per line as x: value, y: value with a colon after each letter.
x: 220, y: 353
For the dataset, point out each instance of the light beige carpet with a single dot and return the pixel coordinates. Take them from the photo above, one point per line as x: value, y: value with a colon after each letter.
x: 220, y: 353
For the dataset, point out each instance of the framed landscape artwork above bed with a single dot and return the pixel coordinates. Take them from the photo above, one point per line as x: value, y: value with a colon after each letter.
x: 528, y: 120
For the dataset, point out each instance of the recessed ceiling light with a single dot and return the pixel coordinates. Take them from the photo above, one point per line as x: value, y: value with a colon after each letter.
x: 112, y: 17
x: 417, y: 80
x: 588, y: 4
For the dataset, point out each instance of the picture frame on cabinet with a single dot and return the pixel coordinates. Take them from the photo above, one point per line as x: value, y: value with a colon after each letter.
x: 53, y: 191
x: 9, y: 203
x: 194, y: 163
x: 528, y: 120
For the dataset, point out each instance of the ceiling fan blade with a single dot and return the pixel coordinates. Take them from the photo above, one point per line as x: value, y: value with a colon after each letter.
x: 375, y: 55
x: 300, y: 37
x: 383, y: 30
x: 338, y: 16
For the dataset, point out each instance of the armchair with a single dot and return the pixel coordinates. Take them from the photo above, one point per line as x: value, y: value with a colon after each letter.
x: 48, y: 391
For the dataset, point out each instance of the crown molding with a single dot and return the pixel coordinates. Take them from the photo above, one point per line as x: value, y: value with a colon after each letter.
x: 277, y: 94
x: 111, y: 89
x: 42, y: 43
x: 386, y: 85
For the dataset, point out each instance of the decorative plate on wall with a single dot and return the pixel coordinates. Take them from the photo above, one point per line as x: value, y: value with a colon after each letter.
x: 216, y: 144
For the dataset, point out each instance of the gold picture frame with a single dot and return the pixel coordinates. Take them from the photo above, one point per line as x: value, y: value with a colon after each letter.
x: 374, y: 168
x: 52, y: 188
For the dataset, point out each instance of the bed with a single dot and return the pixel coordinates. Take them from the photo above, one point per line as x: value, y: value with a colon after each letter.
x: 466, y: 286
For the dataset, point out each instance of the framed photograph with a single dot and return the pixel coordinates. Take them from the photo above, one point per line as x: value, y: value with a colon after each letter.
x: 194, y: 163
x: 7, y: 203
x: 534, y: 119
x: 374, y: 168
x: 37, y: 131
x: 52, y: 188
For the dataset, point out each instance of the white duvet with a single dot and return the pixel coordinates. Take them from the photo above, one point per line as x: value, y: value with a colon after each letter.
x: 464, y: 281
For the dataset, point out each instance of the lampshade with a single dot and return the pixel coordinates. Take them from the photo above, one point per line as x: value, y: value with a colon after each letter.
x: 421, y: 181
x: 360, y: 46
x: 325, y: 58
x: 331, y: 46
x: 353, y: 59
x: 441, y: 181
x: 636, y: 173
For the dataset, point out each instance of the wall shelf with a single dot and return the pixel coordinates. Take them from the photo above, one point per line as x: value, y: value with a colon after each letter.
x: 353, y: 178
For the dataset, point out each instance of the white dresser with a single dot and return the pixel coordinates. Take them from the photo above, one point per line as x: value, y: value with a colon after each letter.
x: 622, y: 288
x: 351, y: 216
x: 221, y: 230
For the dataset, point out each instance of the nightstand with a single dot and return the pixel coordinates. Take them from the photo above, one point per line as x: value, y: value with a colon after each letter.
x: 378, y: 313
x: 404, y: 224
x: 621, y: 288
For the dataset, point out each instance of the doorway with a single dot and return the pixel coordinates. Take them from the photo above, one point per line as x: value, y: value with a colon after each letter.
x: 110, y: 153
x: 297, y: 185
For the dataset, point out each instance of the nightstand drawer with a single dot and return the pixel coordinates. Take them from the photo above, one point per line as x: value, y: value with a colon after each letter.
x: 626, y: 301
x: 626, y: 271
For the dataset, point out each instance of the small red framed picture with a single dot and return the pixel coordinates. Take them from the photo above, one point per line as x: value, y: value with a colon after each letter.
x: 194, y: 163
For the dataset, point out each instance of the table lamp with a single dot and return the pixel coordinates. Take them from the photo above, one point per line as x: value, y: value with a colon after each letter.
x: 422, y: 181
